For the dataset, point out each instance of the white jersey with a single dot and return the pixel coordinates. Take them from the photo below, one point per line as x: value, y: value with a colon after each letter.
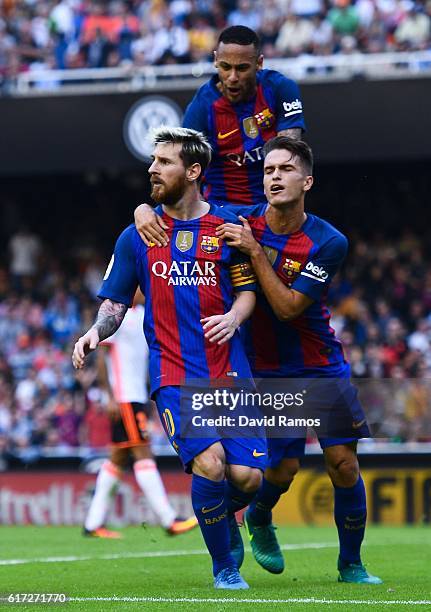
x: 127, y: 358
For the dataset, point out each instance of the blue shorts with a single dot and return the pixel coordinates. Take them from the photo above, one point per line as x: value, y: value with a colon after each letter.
x: 339, y: 398
x: 251, y: 452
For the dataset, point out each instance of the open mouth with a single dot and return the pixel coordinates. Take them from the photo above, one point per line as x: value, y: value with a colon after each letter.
x: 276, y: 188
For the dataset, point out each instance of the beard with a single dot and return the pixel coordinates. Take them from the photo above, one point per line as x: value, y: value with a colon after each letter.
x: 169, y: 196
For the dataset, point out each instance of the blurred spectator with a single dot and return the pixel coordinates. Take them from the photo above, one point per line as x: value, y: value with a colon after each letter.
x: 295, y: 36
x: 97, y: 424
x: 142, y: 48
x: 246, y: 14
x: 154, y: 14
x: 268, y: 37
x: 61, y: 318
x: 25, y: 250
x: 414, y: 30
x: 171, y: 44
x: 366, y: 11
x: 306, y: 8
x: 344, y: 18
x: 322, y: 40
x: 67, y: 420
x: 419, y: 340
x: 7, y: 48
x: 375, y: 39
x: 202, y: 37
x: 272, y: 12
x: 96, y: 50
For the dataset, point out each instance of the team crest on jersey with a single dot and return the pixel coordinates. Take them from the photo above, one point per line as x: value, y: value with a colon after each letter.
x: 250, y: 127
x: 210, y: 244
x: 271, y: 254
x: 291, y: 267
x: 265, y: 118
x: 184, y: 240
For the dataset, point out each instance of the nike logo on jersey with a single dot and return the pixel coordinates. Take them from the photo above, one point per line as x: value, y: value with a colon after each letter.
x: 206, y: 510
x: 221, y: 136
x: 358, y: 425
x: 256, y: 454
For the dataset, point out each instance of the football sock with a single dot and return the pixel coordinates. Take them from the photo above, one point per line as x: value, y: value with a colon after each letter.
x: 350, y: 513
x: 264, y: 501
x: 108, y: 477
x: 150, y: 482
x: 236, y: 499
x: 209, y: 504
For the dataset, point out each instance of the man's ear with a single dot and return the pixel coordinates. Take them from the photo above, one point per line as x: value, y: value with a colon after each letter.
x: 193, y: 172
x: 308, y: 183
x: 260, y: 62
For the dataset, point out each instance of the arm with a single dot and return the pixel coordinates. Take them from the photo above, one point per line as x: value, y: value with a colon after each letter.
x: 150, y: 226
x: 223, y: 327
x: 289, y: 111
x: 286, y: 303
x: 109, y: 319
x: 117, y: 291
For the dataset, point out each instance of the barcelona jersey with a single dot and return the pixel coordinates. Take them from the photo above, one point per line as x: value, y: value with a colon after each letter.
x: 237, y: 133
x: 305, y: 260
x: 194, y: 277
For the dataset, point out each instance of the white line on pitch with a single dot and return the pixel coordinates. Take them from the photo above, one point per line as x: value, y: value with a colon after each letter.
x: 292, y: 600
x: 148, y: 555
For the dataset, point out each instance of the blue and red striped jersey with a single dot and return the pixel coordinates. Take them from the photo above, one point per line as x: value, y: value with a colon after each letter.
x: 237, y: 133
x: 194, y: 277
x: 306, y: 261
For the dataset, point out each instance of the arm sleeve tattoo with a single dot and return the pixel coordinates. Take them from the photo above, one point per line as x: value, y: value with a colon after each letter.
x: 109, y: 318
x: 295, y: 133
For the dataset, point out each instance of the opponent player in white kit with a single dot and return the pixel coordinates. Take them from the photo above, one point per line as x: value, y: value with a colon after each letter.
x: 122, y: 369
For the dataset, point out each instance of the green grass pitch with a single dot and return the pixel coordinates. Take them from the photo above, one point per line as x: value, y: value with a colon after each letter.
x: 160, y: 571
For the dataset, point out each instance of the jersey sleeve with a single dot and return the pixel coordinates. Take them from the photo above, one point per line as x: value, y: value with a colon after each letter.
x: 196, y: 116
x: 288, y: 104
x: 245, y: 210
x: 241, y: 272
x: 120, y: 281
x: 320, y: 269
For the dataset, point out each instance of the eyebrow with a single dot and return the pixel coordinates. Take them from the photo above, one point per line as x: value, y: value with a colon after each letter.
x: 284, y: 165
x: 243, y: 65
x: 160, y: 158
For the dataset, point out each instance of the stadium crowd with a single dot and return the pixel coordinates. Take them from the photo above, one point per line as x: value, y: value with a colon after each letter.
x: 381, y: 304
x: 47, y: 34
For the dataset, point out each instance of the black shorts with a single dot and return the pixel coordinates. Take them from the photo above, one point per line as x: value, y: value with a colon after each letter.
x: 130, y: 427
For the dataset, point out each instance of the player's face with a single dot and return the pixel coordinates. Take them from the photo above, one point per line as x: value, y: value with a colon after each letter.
x: 167, y: 174
x: 284, y: 179
x: 237, y: 66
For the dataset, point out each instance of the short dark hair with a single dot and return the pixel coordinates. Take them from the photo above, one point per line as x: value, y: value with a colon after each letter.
x: 298, y: 148
x: 195, y: 148
x: 239, y: 35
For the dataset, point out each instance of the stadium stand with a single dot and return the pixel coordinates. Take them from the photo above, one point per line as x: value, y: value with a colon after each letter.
x: 69, y: 34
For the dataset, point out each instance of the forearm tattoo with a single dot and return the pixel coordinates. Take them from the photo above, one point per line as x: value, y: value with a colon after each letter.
x: 295, y: 133
x: 109, y: 318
